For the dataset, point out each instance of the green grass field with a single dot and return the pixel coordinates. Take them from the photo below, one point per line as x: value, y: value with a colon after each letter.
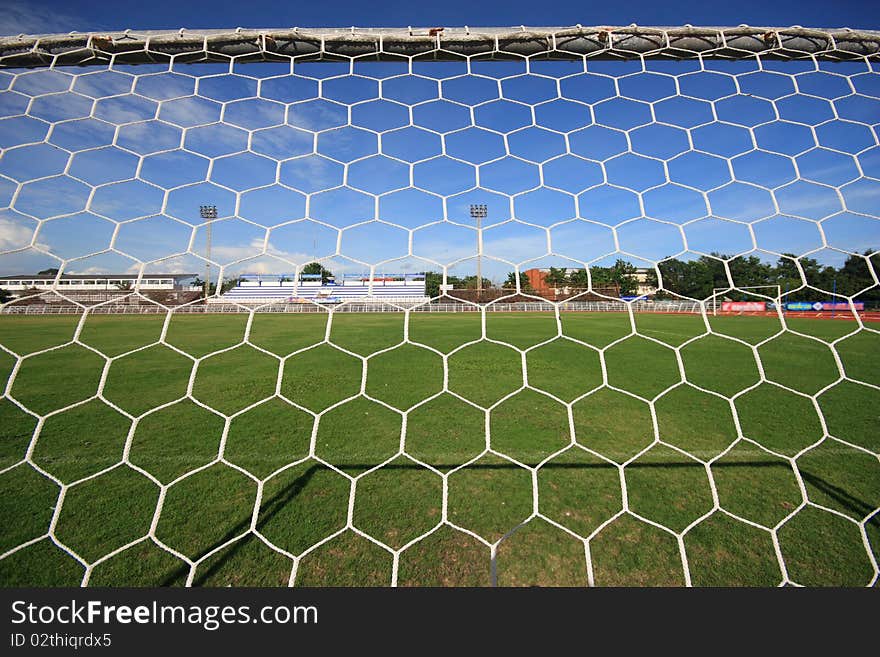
x: 208, y: 459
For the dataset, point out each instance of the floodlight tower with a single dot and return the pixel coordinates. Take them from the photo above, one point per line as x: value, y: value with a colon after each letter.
x: 478, y: 213
x: 208, y: 212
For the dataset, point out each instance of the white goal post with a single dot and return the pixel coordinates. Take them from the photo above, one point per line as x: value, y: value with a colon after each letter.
x: 719, y: 291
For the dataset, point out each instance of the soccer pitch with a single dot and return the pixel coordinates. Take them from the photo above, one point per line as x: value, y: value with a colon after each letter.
x: 271, y: 449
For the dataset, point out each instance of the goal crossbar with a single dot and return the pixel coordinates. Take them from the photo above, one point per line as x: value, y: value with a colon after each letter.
x: 449, y: 43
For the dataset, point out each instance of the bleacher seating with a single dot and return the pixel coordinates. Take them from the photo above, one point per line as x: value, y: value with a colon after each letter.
x: 384, y: 291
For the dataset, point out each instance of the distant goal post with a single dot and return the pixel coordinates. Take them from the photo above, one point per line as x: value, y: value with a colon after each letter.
x: 718, y: 293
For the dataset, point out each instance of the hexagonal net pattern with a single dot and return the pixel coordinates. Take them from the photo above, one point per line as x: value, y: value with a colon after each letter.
x: 627, y: 346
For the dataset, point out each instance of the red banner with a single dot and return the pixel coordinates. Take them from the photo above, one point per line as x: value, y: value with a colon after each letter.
x: 743, y: 306
x: 842, y: 305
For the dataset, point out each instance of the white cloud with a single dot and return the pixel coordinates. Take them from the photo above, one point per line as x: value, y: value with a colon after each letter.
x: 20, y: 17
x: 266, y: 264
x: 96, y: 270
x: 14, y: 235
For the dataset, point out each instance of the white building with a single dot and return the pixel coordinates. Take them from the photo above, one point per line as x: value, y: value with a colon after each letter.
x: 641, y: 276
x: 18, y: 284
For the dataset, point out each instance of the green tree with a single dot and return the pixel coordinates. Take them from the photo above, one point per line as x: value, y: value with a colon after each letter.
x: 601, y: 276
x: 557, y: 277
x: 579, y: 279
x: 228, y: 284
x: 691, y: 278
x: 470, y: 282
x: 785, y: 273
x: 652, y: 280
x: 317, y: 268
x: 225, y: 286
x: 814, y: 274
x: 680, y: 277
x: 524, y: 284
x: 5, y: 295
x: 697, y: 278
x: 872, y: 296
x: 623, y: 274
x: 748, y: 271
x: 433, y: 280
x: 854, y: 276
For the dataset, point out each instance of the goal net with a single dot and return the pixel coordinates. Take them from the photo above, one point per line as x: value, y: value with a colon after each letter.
x: 578, y: 306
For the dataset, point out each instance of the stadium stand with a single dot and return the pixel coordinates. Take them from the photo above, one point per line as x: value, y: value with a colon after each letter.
x: 393, y: 288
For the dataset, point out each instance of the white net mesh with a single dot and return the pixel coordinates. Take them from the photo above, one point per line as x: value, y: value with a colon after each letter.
x: 660, y: 199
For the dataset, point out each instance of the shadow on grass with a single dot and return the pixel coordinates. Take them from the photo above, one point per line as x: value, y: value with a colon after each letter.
x: 273, y: 505
x: 268, y: 510
x: 859, y: 507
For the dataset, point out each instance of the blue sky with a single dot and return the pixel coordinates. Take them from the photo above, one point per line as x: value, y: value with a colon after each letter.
x: 64, y: 15
x: 585, y: 161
